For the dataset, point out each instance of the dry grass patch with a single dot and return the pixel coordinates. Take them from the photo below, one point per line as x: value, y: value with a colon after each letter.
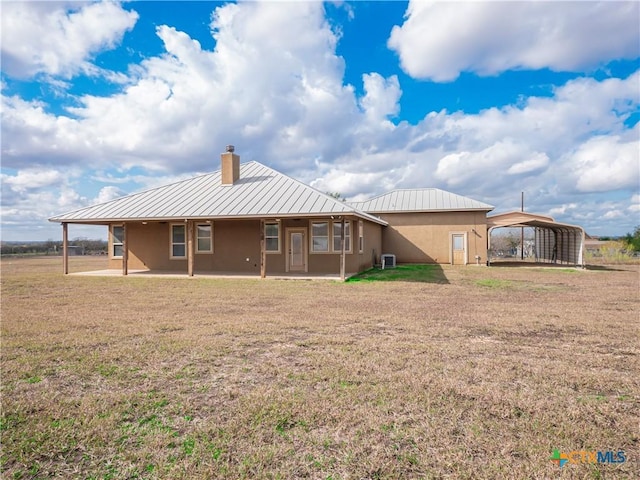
x: 203, y: 378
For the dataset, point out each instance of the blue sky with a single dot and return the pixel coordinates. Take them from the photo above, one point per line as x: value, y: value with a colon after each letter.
x: 484, y: 99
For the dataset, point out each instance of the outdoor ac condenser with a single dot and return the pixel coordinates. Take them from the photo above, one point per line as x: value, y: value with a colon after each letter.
x: 388, y: 260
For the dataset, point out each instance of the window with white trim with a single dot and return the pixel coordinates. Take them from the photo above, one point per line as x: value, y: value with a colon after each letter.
x: 178, y: 241
x: 272, y: 237
x: 204, y: 238
x: 319, y: 237
x: 337, y: 242
x: 117, y: 238
x: 360, y: 236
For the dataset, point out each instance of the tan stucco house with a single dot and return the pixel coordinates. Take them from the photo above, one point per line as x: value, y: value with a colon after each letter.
x: 248, y: 218
x: 431, y: 226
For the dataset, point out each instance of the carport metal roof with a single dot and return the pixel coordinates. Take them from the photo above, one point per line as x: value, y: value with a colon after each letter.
x: 555, y: 242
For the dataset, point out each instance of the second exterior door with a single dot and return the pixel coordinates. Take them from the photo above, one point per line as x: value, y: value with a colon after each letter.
x: 458, y: 250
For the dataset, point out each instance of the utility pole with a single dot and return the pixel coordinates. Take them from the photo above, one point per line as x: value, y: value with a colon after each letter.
x: 522, y: 228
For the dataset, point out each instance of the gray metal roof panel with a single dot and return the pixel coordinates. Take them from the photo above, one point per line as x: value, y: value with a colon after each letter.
x: 260, y: 191
x: 420, y: 200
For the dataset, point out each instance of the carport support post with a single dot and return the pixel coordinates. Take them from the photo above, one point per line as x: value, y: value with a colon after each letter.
x: 263, y: 252
x: 125, y: 250
x: 342, y: 252
x: 65, y: 248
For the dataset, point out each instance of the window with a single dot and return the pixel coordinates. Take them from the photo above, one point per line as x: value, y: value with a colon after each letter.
x: 204, y: 238
x: 361, y: 236
x: 458, y: 242
x: 320, y: 236
x: 117, y: 237
x: 178, y: 241
x: 337, y: 229
x: 272, y: 237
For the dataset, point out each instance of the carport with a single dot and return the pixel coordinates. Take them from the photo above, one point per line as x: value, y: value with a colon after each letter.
x: 554, y: 242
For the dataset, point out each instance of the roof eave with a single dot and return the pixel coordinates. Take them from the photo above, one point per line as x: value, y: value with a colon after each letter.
x: 106, y: 221
x: 435, y: 210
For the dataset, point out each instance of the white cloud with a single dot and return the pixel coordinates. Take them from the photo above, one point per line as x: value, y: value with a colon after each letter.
x: 31, y: 136
x: 536, y: 161
x: 273, y: 82
x: 58, y: 38
x: 108, y: 193
x: 439, y: 40
x: 31, y: 179
x: 613, y: 214
x: 274, y: 87
x: 503, y: 157
x: 562, y: 209
x: 381, y: 96
x: 31, y: 196
x: 606, y: 163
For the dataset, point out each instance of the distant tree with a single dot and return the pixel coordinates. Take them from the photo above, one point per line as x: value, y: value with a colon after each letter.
x: 633, y: 241
x: 512, y: 242
x: 337, y: 196
x: 89, y: 247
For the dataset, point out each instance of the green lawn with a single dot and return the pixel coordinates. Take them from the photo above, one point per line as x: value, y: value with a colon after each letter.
x: 405, y: 273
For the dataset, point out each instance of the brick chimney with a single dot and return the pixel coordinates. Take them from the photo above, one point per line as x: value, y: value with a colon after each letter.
x: 230, y: 166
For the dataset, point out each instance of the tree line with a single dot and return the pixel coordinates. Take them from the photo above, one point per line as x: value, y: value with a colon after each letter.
x: 82, y: 246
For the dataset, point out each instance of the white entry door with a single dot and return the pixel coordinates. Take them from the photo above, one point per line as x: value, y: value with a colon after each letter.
x: 458, y: 249
x: 297, y: 251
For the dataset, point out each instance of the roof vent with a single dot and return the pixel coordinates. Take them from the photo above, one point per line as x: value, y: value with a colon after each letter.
x: 230, y: 148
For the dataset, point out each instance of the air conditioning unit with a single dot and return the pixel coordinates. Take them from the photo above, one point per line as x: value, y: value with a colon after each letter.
x: 388, y: 260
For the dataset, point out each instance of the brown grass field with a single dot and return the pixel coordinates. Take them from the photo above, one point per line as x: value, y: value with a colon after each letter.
x: 480, y: 374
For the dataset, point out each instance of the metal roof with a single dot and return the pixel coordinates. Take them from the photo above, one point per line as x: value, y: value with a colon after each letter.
x: 420, y: 200
x: 525, y: 219
x: 259, y: 192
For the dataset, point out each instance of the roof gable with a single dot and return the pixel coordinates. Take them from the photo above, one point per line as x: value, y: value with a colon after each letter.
x: 259, y: 192
x: 420, y: 200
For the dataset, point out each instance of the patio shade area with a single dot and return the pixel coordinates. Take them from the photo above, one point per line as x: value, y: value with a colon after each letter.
x: 554, y: 242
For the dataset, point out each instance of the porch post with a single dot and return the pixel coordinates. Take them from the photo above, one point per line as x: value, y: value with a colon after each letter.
x: 342, y: 252
x: 263, y: 252
x: 65, y: 248
x: 190, y: 248
x: 489, y: 246
x: 125, y: 250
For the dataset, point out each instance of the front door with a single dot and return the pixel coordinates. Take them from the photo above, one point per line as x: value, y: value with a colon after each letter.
x: 296, y: 247
x: 458, y: 250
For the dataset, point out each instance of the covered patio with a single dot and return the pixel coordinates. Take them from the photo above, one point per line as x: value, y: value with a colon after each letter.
x: 217, y: 275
